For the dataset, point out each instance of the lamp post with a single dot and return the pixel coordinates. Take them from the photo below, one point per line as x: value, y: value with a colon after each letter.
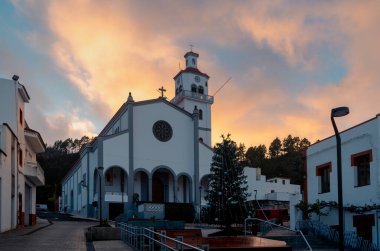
x: 339, y: 112
x: 100, y: 171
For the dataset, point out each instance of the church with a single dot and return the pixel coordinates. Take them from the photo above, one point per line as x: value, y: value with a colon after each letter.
x: 155, y: 151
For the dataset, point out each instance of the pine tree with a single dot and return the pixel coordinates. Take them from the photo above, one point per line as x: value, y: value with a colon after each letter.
x: 227, y: 184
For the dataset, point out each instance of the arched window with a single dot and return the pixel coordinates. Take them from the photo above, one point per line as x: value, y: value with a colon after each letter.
x: 200, y: 114
x: 200, y: 89
x: 193, y: 88
x: 180, y: 88
x: 193, y: 61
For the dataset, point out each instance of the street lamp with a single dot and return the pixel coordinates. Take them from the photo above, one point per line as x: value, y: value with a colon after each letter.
x: 99, y: 172
x: 339, y: 112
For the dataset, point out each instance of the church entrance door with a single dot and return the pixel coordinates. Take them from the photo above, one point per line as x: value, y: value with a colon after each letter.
x: 158, y: 190
x: 162, y: 186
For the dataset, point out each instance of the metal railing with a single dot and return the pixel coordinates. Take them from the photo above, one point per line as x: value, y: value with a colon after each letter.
x: 268, y: 222
x: 141, y: 238
x: 193, y: 95
x: 322, y: 230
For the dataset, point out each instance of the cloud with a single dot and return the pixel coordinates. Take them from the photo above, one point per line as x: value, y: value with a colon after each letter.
x: 278, y: 53
x: 63, y: 124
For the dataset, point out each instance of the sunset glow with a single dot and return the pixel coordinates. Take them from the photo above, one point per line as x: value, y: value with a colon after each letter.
x: 289, y: 62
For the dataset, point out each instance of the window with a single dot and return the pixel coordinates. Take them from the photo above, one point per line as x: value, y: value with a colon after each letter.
x: 180, y: 88
x: 193, y: 88
x: 200, y: 114
x: 283, y: 182
x: 362, y: 163
x: 206, y: 83
x: 20, y: 117
x: 323, y: 171
x: 193, y: 61
x: 200, y: 90
x: 176, y: 91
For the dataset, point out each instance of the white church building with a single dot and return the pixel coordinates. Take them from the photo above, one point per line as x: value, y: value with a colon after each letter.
x: 20, y: 172
x: 155, y: 151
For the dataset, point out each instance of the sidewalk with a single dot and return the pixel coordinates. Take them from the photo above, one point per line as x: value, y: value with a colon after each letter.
x: 26, y: 230
x: 116, y: 245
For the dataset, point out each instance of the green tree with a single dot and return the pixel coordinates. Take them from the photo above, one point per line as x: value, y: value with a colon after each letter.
x: 275, y: 148
x: 56, y: 161
x: 227, y: 184
x: 256, y: 156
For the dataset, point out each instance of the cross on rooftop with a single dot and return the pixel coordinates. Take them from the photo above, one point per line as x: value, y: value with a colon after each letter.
x: 191, y: 47
x: 162, y: 90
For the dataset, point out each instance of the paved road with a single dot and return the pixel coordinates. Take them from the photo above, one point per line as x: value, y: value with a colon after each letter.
x: 55, y: 231
x: 54, y: 235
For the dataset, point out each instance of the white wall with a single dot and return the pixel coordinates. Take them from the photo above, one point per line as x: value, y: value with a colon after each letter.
x: 264, y: 189
x: 7, y: 170
x: 177, y: 153
x: 205, y: 160
x: 8, y: 93
x: 116, y: 152
x: 360, y: 138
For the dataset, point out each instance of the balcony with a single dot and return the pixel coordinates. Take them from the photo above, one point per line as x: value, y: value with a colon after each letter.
x: 34, y: 140
x: 192, y: 95
x: 34, y: 173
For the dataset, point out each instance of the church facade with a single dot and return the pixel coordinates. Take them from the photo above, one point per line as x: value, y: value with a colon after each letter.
x: 151, y: 151
x: 157, y: 152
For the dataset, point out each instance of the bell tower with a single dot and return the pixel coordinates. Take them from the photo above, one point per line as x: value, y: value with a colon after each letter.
x: 191, y: 89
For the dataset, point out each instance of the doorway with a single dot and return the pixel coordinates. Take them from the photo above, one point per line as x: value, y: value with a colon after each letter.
x: 115, y: 209
x: 364, y: 224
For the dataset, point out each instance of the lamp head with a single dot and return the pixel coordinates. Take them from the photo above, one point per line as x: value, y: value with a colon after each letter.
x: 340, y: 111
x: 15, y: 77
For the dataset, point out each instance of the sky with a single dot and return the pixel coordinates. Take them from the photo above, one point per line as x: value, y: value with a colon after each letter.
x: 290, y: 62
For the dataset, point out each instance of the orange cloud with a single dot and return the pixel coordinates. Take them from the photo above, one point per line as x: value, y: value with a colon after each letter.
x: 107, y: 49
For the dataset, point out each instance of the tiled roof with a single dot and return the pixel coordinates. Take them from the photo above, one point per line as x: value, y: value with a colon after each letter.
x: 192, y: 70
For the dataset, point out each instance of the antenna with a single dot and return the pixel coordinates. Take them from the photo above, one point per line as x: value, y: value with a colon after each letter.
x: 220, y: 88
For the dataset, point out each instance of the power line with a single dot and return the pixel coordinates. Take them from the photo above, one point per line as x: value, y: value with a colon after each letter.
x: 222, y: 85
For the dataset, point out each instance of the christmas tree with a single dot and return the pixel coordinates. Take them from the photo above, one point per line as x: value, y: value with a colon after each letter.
x: 227, y: 184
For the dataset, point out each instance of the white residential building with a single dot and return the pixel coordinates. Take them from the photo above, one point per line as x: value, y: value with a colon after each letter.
x: 278, y: 189
x: 20, y: 173
x: 360, y: 175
